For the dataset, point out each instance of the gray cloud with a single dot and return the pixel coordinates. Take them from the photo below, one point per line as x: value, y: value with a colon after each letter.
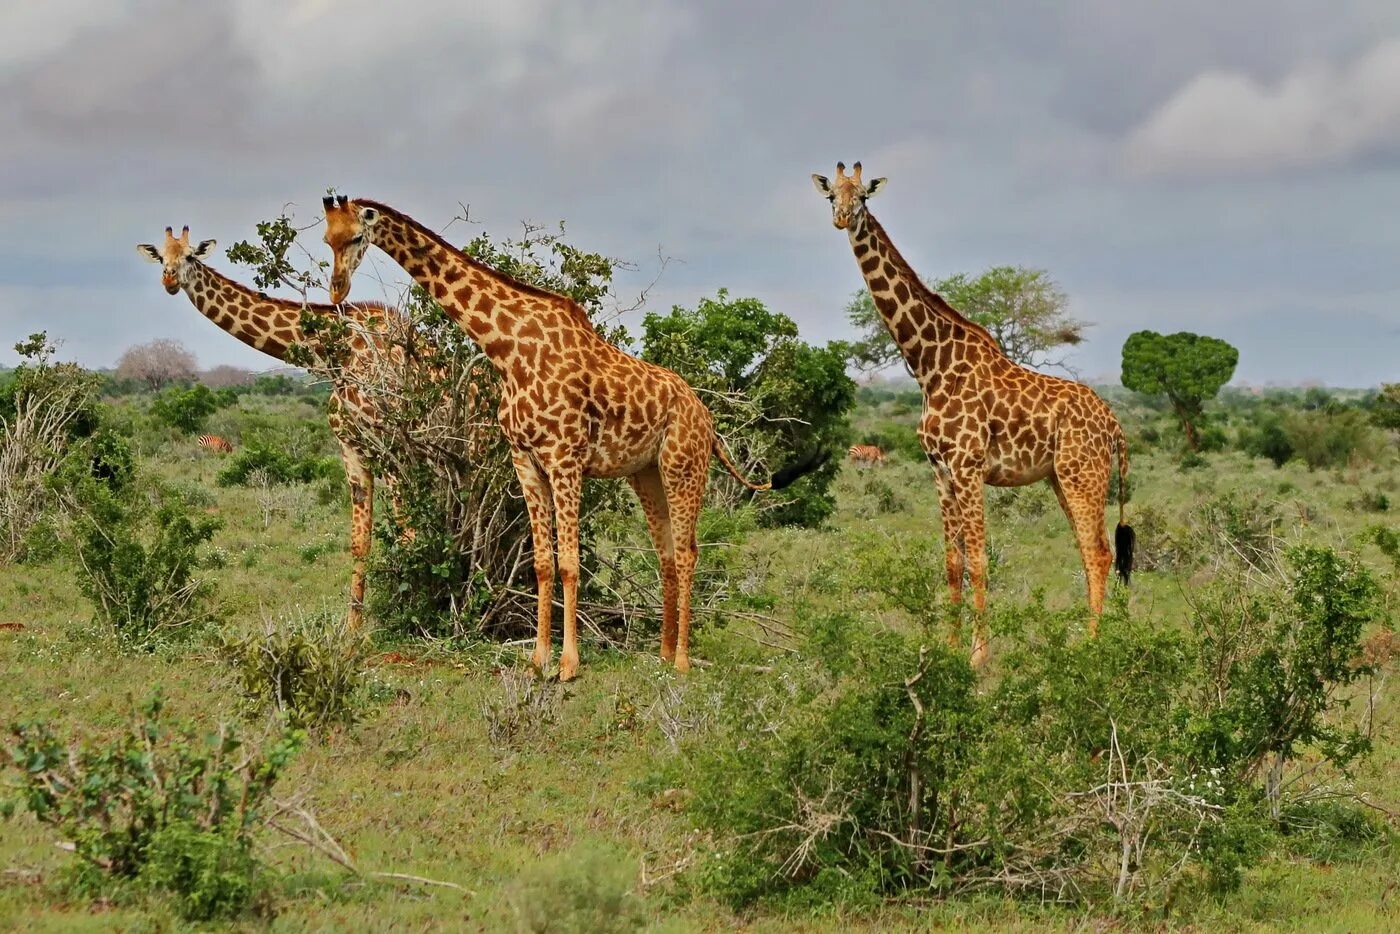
x: 693, y: 127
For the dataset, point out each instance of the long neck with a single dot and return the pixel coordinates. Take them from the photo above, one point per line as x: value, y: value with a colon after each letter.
x: 263, y: 323
x: 509, y: 320
x: 931, y: 335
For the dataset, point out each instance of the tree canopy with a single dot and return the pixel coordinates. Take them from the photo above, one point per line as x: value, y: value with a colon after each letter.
x: 778, y: 399
x: 1189, y: 369
x: 1023, y: 308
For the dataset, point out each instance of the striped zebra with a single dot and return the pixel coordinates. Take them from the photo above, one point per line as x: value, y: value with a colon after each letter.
x: 216, y: 444
x: 866, y: 454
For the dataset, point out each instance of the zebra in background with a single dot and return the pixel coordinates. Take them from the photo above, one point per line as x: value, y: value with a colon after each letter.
x: 216, y: 444
x: 866, y: 454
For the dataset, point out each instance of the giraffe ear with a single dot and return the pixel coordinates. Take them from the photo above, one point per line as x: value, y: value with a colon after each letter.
x: 149, y: 253
x: 823, y: 185
x: 368, y: 215
x: 205, y: 249
x: 874, y: 185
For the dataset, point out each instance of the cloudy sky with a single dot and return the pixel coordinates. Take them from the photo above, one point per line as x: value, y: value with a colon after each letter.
x: 1176, y: 167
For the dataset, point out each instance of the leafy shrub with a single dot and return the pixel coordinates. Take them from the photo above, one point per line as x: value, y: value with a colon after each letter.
x: 139, y: 554
x: 46, y: 409
x: 1123, y: 767
x: 185, y: 409
x: 276, y: 466
x: 1268, y: 439
x: 1331, y: 436
x: 1235, y: 527
x: 308, y: 669
x: 173, y: 810
x: 1371, y: 501
x: 582, y: 890
x: 896, y: 438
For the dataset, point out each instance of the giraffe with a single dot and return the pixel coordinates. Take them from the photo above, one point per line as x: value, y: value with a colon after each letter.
x: 572, y: 406
x: 986, y: 419
x: 273, y: 325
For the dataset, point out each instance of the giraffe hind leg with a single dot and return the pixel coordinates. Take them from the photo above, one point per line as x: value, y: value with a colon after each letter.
x: 1082, y: 500
x: 647, y: 484
x: 684, y: 470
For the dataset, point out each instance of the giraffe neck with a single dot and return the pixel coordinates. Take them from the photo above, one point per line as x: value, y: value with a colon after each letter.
x: 931, y: 335
x: 507, y: 319
x: 268, y: 324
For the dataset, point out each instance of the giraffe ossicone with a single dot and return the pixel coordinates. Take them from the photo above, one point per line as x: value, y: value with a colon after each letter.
x: 986, y: 419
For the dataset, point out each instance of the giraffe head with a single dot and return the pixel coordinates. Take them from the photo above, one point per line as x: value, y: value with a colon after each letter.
x: 350, y: 229
x: 847, y: 194
x: 175, y: 256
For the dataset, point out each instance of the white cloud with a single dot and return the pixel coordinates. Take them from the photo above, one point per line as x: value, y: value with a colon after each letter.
x: 1319, y: 114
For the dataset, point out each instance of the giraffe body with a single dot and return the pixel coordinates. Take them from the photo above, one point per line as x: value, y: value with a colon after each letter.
x: 986, y: 419
x: 273, y: 325
x: 572, y: 406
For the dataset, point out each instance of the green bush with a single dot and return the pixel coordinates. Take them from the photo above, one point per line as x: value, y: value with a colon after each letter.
x: 170, y: 809
x: 1331, y: 436
x: 584, y: 890
x: 1268, y: 439
x: 276, y: 466
x: 185, y: 409
x: 139, y: 553
x: 1122, y: 768
x: 308, y: 669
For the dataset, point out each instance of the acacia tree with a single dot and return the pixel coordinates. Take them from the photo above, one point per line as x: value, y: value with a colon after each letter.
x: 1023, y: 308
x: 781, y: 401
x: 157, y: 364
x: 1189, y: 369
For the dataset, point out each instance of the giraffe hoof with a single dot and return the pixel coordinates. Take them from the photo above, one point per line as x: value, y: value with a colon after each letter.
x: 568, y: 667
x: 668, y: 655
x: 682, y: 663
x: 981, y: 652
x: 540, y: 659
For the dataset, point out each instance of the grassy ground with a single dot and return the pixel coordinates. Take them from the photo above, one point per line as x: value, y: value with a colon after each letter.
x: 419, y: 786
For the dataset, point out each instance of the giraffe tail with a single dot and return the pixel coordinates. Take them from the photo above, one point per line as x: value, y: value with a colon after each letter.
x: 1124, y: 538
x: 723, y: 456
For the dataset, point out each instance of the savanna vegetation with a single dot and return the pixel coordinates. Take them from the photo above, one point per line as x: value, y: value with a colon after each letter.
x: 192, y: 735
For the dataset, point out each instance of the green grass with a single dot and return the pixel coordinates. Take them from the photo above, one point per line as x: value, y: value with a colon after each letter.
x: 419, y: 787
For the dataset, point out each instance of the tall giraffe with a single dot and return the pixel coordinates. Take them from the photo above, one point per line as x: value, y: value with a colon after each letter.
x: 572, y: 406
x: 986, y: 419
x: 273, y: 325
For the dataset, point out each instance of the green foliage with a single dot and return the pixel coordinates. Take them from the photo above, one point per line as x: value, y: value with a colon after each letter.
x: 778, y: 399
x: 1385, y: 408
x: 169, y: 808
x: 1023, y: 309
x: 185, y: 410
x: 139, y: 552
x: 1268, y: 439
x: 1124, y: 767
x: 1189, y: 369
x: 257, y: 463
x: 1331, y: 436
x: 586, y: 889
x: 307, y: 669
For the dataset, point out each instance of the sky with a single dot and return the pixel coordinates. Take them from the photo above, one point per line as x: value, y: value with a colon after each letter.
x: 1230, y: 169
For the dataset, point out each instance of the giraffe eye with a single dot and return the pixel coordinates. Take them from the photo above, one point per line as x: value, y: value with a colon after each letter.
x: 831, y: 198
x: 357, y: 239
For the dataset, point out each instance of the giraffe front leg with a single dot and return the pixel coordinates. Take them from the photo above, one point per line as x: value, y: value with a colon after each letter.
x: 567, y: 485
x: 970, y: 502
x: 535, y: 487
x: 952, y: 548
x: 361, y: 529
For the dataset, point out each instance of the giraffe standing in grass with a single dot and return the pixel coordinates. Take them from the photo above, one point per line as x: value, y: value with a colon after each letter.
x: 273, y: 325
x: 986, y: 419
x: 572, y: 406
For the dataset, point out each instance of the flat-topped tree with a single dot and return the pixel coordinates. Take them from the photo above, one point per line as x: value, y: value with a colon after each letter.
x: 572, y: 406
x: 986, y: 419
x: 273, y: 326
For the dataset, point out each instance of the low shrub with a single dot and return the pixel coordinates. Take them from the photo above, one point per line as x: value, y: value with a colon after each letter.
x: 1331, y: 436
x: 307, y: 668
x: 171, y: 810
x: 583, y: 890
x: 254, y: 463
x: 140, y: 552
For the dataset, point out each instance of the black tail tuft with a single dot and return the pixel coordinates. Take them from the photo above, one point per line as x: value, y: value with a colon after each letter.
x: 1123, y: 541
x: 789, y: 474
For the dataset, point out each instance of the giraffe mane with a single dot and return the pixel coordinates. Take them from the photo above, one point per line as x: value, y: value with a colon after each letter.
x: 917, y: 286
x: 573, y: 307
